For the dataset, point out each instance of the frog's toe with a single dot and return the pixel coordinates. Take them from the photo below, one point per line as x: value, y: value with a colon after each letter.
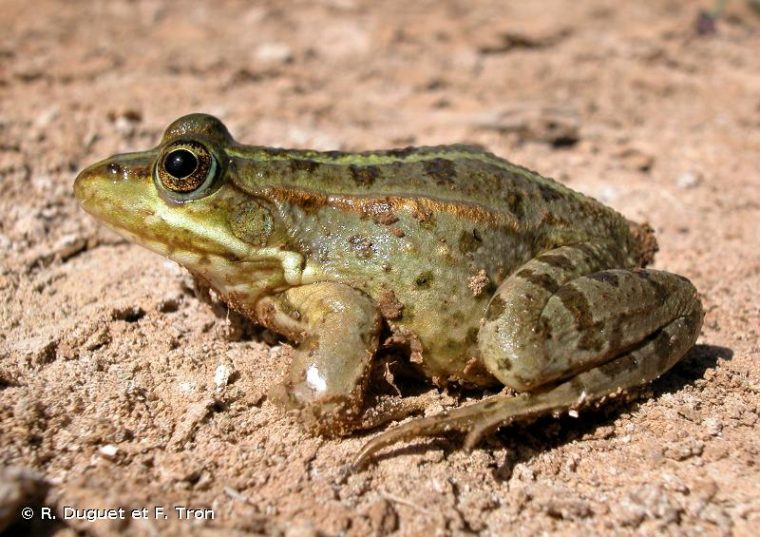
x: 476, y: 420
x: 429, y: 426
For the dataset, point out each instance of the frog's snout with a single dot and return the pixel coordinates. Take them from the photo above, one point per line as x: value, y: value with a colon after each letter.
x: 87, y: 185
x: 85, y: 182
x: 103, y: 179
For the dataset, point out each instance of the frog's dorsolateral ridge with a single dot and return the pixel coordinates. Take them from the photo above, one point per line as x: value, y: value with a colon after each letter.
x: 486, y: 271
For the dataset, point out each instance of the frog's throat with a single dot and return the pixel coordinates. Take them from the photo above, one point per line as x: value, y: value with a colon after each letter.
x: 259, y: 269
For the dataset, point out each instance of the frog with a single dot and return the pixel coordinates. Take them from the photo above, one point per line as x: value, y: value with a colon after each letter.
x: 488, y: 275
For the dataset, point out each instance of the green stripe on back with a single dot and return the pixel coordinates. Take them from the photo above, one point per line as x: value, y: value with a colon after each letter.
x: 392, y: 156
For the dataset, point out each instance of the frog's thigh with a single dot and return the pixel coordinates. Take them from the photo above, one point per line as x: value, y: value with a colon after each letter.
x: 337, y: 330
x: 548, y: 325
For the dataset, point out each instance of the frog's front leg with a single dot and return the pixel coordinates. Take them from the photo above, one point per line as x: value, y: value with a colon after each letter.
x: 568, y: 329
x: 336, y: 329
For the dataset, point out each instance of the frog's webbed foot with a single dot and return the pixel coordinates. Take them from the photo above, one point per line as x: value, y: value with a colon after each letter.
x: 477, y: 420
x: 473, y: 419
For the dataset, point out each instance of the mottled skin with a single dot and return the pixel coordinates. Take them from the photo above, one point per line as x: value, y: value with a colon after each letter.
x: 489, y: 273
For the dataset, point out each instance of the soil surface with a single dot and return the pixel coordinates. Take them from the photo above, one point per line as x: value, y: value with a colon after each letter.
x: 119, y: 388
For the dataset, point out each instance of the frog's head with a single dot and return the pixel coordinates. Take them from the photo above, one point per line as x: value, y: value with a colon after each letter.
x: 179, y: 199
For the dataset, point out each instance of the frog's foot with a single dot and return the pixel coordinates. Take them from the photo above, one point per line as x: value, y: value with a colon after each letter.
x: 341, y: 416
x: 330, y: 416
x: 635, y: 367
x: 388, y: 409
x: 336, y: 330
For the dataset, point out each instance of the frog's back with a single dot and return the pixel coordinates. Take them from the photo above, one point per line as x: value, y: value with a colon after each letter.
x: 464, y: 181
x: 455, y: 173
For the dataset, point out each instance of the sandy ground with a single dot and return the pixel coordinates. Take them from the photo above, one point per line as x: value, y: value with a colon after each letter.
x: 119, y: 388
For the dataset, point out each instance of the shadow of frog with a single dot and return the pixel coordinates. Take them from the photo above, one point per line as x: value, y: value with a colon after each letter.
x: 524, y: 441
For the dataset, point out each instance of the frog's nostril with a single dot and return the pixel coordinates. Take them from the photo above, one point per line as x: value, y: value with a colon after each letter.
x: 114, y: 168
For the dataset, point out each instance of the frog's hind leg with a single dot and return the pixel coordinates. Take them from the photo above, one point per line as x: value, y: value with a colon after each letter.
x: 569, y: 330
x: 635, y: 367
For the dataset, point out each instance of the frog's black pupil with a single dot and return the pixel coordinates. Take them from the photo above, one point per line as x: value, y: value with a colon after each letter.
x: 180, y: 163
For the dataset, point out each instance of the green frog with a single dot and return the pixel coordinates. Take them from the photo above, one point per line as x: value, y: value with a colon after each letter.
x: 487, y: 273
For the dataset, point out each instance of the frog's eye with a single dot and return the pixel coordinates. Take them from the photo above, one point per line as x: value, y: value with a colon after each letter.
x: 180, y: 164
x: 186, y: 168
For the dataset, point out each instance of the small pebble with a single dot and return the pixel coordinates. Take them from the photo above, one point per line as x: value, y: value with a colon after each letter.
x: 713, y: 425
x: 222, y: 375
x: 46, y: 117
x: 688, y: 180
x: 274, y: 53
x: 109, y: 451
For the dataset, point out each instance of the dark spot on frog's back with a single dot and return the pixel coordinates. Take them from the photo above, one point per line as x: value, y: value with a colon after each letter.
x: 515, y: 202
x: 577, y: 304
x: 362, y: 246
x: 469, y: 241
x: 364, y: 175
x: 606, y: 277
x: 548, y: 193
x: 539, y: 279
x: 424, y: 280
x: 303, y: 165
x: 660, y: 292
x: 591, y: 340
x: 442, y: 171
x: 557, y: 261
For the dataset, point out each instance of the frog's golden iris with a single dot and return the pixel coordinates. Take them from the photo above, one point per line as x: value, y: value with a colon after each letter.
x: 186, y: 169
